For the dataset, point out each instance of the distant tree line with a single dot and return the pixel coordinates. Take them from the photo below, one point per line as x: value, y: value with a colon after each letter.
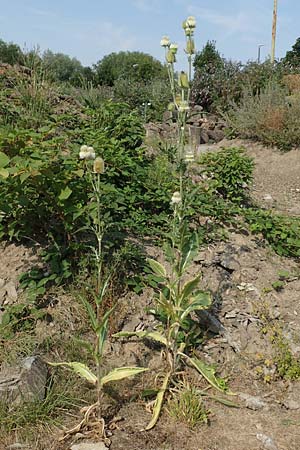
x: 133, y: 66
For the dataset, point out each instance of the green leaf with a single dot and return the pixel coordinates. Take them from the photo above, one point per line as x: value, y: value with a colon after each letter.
x: 4, y: 159
x: 158, y: 402
x: 223, y: 401
x: 65, y: 193
x: 80, y: 369
x: 201, y: 300
x: 120, y: 373
x: 189, y: 287
x: 155, y: 335
x: 90, y: 311
x: 157, y: 268
x: 207, y: 372
x: 4, y: 173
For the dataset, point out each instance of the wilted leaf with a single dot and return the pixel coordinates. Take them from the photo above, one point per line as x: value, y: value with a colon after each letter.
x: 155, y: 335
x: 207, y: 372
x: 120, y: 373
x: 80, y: 369
x: 158, y: 402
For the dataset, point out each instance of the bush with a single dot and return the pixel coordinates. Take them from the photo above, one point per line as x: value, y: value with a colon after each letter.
x: 270, y: 117
x: 229, y: 172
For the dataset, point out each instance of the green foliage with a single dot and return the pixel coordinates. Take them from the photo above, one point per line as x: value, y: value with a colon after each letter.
x: 268, y: 117
x: 282, y: 233
x: 30, y: 415
x: 292, y: 57
x: 287, y: 365
x: 10, y: 53
x: 209, y: 58
x: 133, y: 66
x: 186, y: 405
x: 62, y: 68
x: 229, y: 172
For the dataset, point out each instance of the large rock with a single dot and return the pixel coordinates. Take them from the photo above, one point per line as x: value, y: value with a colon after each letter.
x: 89, y: 446
x: 23, y: 383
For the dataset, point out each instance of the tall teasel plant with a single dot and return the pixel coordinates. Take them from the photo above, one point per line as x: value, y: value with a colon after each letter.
x: 179, y: 297
x: 93, y: 169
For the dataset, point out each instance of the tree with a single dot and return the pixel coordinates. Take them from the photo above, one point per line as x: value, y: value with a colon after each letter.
x: 292, y: 57
x: 209, y: 58
x: 135, y: 66
x: 62, y: 67
x: 10, y: 53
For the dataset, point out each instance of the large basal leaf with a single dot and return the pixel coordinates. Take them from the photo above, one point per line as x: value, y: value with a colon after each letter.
x: 80, y: 369
x: 155, y: 335
x: 207, y: 372
x: 159, y: 402
x: 120, y: 373
x: 157, y: 268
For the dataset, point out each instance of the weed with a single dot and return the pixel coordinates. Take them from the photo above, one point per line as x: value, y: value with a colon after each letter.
x: 186, y: 405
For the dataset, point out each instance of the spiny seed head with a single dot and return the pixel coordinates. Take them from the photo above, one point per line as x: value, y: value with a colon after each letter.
x: 183, y: 81
x: 170, y: 57
x: 176, y: 198
x: 99, y: 165
x: 190, y: 47
x: 165, y: 41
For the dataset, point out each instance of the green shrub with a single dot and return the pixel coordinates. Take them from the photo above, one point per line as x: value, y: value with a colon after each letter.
x: 270, y: 117
x: 229, y: 172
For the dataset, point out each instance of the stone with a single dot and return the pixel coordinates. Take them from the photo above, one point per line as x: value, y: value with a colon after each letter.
x: 204, y: 138
x: 251, y: 402
x: 268, y: 443
x: 216, y: 135
x: 11, y: 292
x: 89, y: 446
x: 291, y: 404
x: 25, y: 382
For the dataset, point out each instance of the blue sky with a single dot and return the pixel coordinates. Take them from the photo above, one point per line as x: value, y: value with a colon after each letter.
x: 91, y: 29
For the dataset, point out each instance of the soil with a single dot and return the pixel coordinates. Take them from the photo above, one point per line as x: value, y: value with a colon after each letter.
x: 240, y: 273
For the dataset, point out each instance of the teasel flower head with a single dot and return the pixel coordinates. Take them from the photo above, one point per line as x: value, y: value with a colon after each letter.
x: 165, y: 41
x: 98, y: 165
x: 87, y: 152
x: 191, y: 22
x: 174, y: 48
x: 176, y: 198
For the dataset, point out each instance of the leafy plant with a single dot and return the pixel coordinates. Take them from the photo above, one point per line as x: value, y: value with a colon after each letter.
x: 229, y: 172
x: 98, y: 316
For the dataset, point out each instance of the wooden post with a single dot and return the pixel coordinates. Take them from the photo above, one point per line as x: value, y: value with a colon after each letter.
x: 274, y: 32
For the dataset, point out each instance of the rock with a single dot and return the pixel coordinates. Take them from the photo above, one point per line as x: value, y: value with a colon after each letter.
x: 252, y: 402
x: 11, y: 292
x: 2, y: 283
x: 216, y: 135
x: 291, y: 404
x: 267, y: 442
x: 26, y: 382
x: 268, y: 198
x: 89, y: 446
x: 204, y: 138
x: 227, y: 262
x: 167, y: 116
